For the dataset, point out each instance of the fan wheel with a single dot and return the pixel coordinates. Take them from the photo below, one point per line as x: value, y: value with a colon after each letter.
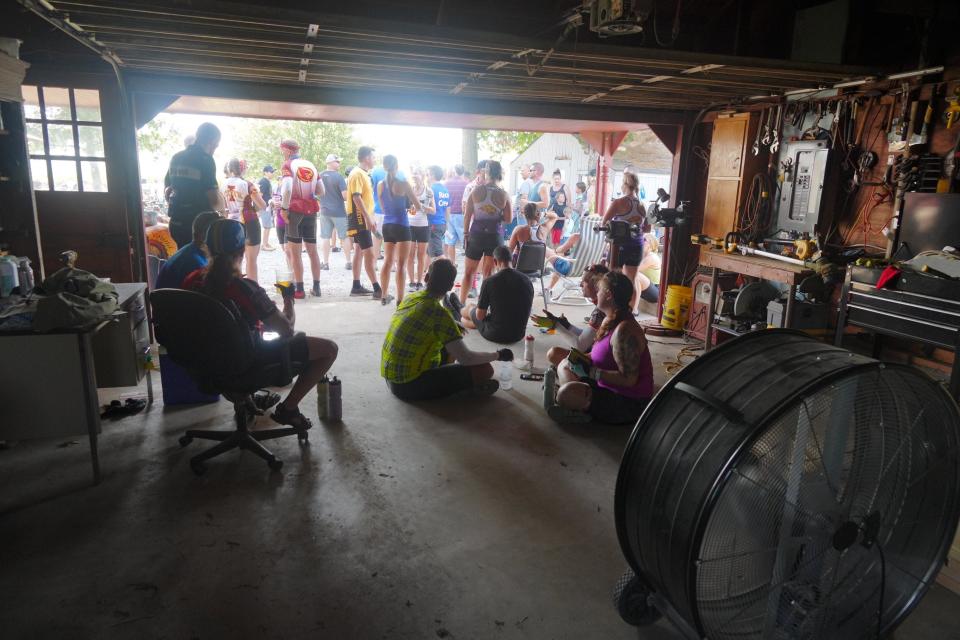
x: 631, y: 599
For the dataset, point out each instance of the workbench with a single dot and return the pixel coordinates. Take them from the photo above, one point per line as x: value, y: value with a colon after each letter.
x: 755, y: 266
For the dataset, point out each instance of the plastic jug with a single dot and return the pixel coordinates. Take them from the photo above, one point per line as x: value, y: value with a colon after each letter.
x: 9, y: 276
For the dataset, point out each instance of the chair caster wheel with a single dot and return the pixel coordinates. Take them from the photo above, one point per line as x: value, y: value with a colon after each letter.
x: 198, y: 468
x: 185, y: 440
x: 275, y: 465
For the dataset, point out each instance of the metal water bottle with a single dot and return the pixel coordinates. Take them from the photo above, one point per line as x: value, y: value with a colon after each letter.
x: 335, y: 409
x: 549, y: 387
x: 323, y: 398
x: 528, y: 352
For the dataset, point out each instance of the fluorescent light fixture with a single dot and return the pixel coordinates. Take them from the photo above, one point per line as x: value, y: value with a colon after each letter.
x: 594, y: 97
x: 702, y: 68
x: 500, y: 64
x: 914, y: 74
x: 657, y: 79
x: 460, y: 87
x: 622, y: 87
x: 853, y: 83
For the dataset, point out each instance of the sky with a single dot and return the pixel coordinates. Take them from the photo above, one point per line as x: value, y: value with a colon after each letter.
x: 422, y: 146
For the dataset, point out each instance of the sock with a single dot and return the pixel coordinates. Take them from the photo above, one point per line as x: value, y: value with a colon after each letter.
x: 299, y: 286
x: 356, y: 284
x: 376, y: 286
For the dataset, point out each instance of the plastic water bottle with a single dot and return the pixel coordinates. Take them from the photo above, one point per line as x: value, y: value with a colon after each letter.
x: 549, y: 386
x: 323, y: 398
x: 9, y: 275
x: 335, y: 406
x: 506, y: 376
x: 528, y: 353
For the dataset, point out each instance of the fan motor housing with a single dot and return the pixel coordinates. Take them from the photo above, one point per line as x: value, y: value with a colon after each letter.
x: 753, y: 460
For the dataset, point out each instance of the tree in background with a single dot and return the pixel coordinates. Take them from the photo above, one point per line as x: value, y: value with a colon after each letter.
x: 160, y: 137
x: 496, y: 144
x: 258, y: 142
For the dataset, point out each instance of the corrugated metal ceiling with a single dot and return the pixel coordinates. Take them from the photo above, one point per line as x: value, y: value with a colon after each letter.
x: 243, y: 44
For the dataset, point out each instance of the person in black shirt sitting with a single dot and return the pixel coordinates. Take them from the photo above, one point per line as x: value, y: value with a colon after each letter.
x: 504, y: 304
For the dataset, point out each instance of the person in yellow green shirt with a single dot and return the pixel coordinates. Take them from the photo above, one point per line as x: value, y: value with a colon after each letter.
x: 424, y: 356
x: 361, y: 225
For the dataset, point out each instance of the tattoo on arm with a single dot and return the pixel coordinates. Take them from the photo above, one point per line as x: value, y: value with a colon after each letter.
x: 626, y: 351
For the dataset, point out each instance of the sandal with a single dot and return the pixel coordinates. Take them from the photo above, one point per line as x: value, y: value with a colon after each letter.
x: 291, y: 417
x: 115, y: 410
x: 265, y: 399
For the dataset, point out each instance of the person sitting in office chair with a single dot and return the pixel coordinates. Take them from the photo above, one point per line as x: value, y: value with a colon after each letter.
x: 221, y: 279
x: 189, y: 257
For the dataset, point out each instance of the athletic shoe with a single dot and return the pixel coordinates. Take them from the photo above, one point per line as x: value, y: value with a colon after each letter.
x: 453, y: 303
x: 336, y: 249
x: 315, y: 292
x: 472, y: 293
x: 567, y: 416
x: 385, y: 300
x: 324, y: 266
x: 360, y: 291
x: 486, y: 388
x: 377, y: 294
x: 299, y: 294
x: 348, y: 266
x: 412, y: 286
x: 265, y: 399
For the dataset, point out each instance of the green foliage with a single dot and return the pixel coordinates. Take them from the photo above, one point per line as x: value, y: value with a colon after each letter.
x: 258, y: 142
x: 497, y: 143
x: 160, y: 137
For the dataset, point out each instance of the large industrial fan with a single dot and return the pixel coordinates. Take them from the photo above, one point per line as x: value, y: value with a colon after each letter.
x: 782, y: 488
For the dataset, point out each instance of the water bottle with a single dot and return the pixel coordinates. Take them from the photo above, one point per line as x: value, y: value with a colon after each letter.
x: 323, y: 398
x: 506, y: 376
x: 528, y: 353
x: 549, y: 387
x: 25, y: 273
x: 335, y: 408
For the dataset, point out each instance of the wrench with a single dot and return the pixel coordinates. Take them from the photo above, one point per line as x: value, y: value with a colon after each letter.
x: 775, y: 144
x: 766, y: 140
x: 756, y: 143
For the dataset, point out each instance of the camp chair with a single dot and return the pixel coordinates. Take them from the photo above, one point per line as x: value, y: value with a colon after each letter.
x: 530, y: 262
x: 587, y: 252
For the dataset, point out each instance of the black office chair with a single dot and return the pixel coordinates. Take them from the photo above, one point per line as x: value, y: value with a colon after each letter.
x: 530, y: 262
x: 213, y: 343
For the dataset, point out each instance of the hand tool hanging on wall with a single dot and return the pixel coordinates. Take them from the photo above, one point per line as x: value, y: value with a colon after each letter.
x: 767, y: 137
x: 755, y: 149
x: 921, y: 138
x: 777, y: 127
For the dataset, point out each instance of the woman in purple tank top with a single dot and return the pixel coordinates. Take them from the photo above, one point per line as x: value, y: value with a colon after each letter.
x: 614, y: 382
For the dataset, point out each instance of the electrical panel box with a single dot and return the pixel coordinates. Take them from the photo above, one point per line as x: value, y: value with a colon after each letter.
x: 808, y: 187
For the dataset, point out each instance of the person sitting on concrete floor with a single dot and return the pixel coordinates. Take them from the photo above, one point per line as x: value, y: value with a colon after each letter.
x: 423, y: 340
x: 190, y: 257
x: 648, y: 271
x: 614, y: 382
x: 581, y: 338
x: 504, y: 304
x: 221, y: 279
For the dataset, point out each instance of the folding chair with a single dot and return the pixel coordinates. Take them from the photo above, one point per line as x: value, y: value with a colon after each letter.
x: 587, y: 252
x: 530, y: 263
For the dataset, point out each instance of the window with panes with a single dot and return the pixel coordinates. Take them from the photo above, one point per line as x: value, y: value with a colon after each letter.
x: 65, y: 139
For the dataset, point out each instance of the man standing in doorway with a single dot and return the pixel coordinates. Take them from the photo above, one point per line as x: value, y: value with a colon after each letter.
x: 539, y: 192
x: 361, y: 224
x: 333, y: 211
x: 300, y: 187
x: 192, y: 183
x: 454, y: 235
x: 266, y: 216
x: 438, y: 219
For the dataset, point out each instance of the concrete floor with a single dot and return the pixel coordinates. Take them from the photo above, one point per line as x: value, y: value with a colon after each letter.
x: 467, y: 518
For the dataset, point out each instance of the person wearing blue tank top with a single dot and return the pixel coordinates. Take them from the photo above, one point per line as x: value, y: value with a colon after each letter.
x: 396, y: 199
x: 484, y: 215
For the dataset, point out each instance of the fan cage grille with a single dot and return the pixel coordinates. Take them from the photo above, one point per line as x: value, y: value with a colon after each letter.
x: 879, y: 441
